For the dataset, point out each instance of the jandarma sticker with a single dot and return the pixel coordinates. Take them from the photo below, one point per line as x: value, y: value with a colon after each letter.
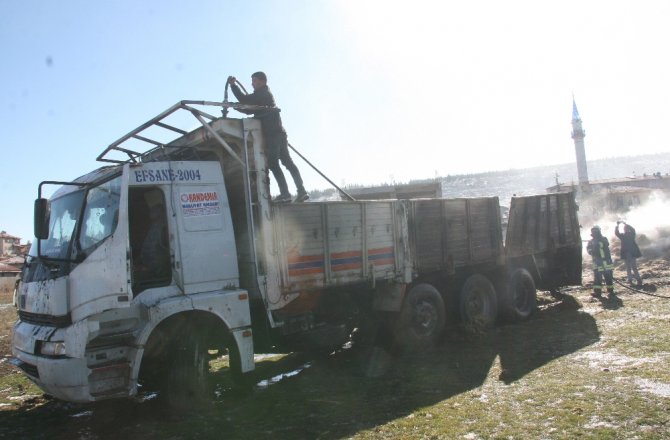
x: 200, y: 203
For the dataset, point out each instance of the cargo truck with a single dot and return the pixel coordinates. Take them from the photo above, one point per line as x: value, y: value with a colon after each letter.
x: 145, y: 268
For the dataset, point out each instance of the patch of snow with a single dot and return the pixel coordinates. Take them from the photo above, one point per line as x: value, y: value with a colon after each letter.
x: 656, y: 388
x: 597, y: 423
x: 603, y: 359
x: 145, y: 397
x: 263, y: 356
x: 82, y: 414
x: 273, y: 380
x: 22, y: 398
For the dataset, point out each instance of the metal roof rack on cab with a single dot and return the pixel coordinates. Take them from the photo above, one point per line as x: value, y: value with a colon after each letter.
x: 162, y: 129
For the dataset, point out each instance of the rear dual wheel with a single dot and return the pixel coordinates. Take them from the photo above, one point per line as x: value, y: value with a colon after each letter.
x: 421, y: 320
x: 478, y: 303
x: 519, y: 299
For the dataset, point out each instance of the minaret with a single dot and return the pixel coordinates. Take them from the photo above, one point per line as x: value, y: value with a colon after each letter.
x: 578, y: 134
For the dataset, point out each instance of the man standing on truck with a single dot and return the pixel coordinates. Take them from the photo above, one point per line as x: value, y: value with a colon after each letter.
x: 276, y: 141
x: 599, y: 249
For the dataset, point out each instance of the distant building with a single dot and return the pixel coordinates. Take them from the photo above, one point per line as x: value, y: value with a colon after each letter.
x: 9, y: 276
x: 650, y: 182
x: 9, y: 271
x: 23, y: 249
x: 9, y: 244
x: 16, y: 262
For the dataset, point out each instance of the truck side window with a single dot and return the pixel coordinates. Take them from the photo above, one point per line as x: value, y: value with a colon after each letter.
x: 149, y: 239
x: 101, y: 213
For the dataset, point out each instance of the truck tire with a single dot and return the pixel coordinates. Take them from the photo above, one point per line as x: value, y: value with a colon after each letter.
x: 478, y: 303
x: 187, y: 384
x: 519, y: 298
x: 421, y: 320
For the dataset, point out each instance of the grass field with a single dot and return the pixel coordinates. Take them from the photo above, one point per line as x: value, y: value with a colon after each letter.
x: 576, y: 369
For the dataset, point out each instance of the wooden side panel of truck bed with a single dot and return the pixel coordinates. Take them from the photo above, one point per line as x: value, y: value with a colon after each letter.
x: 323, y: 244
x: 450, y: 233
x: 543, y: 234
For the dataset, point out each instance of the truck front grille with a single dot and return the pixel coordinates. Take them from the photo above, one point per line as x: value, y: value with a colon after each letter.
x: 38, y: 319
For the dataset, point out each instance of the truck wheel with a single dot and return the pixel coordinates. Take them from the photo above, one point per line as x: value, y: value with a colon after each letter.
x: 478, y: 303
x: 519, y: 298
x: 421, y: 319
x: 188, y: 385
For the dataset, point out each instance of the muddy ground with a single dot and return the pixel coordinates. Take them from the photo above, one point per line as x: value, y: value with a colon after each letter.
x: 576, y: 368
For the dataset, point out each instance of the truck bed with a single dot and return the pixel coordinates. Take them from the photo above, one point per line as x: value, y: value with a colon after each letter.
x: 322, y: 244
x: 544, y: 234
x: 447, y: 234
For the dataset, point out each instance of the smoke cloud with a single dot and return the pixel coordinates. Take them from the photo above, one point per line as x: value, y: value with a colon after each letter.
x: 651, y: 222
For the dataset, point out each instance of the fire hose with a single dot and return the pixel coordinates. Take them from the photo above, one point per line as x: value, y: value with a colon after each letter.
x: 651, y: 287
x: 224, y: 110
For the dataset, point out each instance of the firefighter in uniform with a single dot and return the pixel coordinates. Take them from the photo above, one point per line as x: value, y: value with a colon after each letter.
x: 599, y: 249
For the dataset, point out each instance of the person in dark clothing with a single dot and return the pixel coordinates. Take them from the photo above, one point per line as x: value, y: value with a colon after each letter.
x: 155, y: 253
x: 630, y: 251
x: 276, y: 142
x: 599, y: 249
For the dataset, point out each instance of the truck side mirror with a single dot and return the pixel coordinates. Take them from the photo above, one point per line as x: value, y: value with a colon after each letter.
x: 42, y: 213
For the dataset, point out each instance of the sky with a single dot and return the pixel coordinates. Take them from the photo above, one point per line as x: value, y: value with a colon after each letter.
x: 371, y: 91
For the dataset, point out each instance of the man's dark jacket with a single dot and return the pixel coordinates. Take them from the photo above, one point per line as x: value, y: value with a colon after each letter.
x: 628, y: 245
x: 270, y: 120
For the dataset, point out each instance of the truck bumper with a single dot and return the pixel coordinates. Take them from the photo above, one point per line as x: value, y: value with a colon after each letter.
x: 64, y: 377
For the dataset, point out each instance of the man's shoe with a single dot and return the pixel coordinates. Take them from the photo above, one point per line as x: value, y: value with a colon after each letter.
x: 302, y: 196
x: 282, y: 198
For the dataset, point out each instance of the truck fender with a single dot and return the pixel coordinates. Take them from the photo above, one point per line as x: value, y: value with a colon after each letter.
x: 192, y: 313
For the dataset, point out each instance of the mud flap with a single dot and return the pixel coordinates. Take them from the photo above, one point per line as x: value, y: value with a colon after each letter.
x: 245, y: 346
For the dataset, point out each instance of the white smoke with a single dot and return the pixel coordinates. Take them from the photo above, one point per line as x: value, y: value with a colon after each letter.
x: 651, y: 221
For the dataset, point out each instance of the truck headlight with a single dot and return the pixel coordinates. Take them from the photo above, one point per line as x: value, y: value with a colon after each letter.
x: 49, y: 348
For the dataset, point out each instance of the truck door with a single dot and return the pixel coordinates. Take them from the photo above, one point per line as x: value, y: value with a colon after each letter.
x: 206, y: 255
x: 151, y: 253
x: 543, y: 236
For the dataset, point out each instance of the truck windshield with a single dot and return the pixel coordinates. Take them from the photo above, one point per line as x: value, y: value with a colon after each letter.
x: 96, y: 208
x: 65, y: 211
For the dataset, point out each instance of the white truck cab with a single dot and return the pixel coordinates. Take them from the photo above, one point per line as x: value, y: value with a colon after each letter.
x: 126, y: 249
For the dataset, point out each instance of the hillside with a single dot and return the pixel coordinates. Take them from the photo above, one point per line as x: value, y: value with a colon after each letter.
x: 535, y: 180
